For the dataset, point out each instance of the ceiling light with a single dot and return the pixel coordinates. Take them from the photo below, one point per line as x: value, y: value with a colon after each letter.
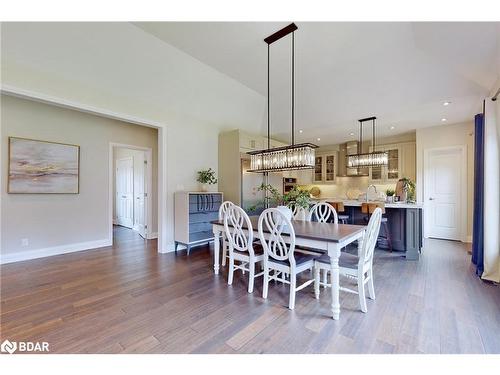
x: 319, y: 139
x: 351, y: 133
x: 295, y: 156
x: 393, y: 127
x: 443, y: 120
x: 446, y: 103
x: 301, y: 131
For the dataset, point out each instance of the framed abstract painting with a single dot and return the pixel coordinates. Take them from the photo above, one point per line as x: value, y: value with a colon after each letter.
x: 42, y: 167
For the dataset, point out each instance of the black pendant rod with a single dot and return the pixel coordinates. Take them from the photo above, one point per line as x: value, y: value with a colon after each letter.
x: 268, y: 102
x: 293, y: 88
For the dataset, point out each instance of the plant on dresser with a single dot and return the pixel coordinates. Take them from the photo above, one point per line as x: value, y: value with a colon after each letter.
x: 206, y: 177
x: 193, y: 212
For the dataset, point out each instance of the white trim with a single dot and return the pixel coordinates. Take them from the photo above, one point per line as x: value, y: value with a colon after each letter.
x: 148, y: 179
x: 463, y: 188
x: 468, y: 239
x: 51, y: 251
x: 162, y: 145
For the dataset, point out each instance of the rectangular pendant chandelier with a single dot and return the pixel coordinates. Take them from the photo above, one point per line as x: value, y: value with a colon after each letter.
x: 286, y: 158
x: 371, y: 159
x: 294, y: 157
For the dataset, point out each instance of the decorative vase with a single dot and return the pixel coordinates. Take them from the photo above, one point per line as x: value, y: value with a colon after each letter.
x: 286, y: 211
x: 204, y: 187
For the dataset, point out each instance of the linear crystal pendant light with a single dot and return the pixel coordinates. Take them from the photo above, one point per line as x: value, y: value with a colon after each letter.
x: 370, y: 159
x: 295, y: 156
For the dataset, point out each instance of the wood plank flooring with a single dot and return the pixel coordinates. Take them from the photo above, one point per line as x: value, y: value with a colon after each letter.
x: 130, y: 299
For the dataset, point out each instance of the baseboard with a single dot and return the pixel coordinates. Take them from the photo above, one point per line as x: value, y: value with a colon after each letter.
x: 51, y: 251
x: 468, y: 239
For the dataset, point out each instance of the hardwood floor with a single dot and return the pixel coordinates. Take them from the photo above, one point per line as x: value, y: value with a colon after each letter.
x: 130, y: 299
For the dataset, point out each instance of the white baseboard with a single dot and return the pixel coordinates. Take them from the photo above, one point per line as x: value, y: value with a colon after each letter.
x: 51, y: 251
x: 468, y: 239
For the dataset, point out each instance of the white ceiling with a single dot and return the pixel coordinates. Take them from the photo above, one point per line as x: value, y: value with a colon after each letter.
x: 400, y: 72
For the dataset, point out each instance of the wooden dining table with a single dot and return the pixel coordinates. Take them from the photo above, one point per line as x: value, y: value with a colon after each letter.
x: 323, y: 236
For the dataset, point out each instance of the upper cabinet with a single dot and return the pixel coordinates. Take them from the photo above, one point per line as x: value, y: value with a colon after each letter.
x: 401, y: 163
x: 325, y: 168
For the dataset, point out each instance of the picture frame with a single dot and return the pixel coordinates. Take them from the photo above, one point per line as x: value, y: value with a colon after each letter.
x: 42, y: 167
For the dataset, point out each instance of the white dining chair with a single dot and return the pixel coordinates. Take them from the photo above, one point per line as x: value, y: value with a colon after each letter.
x: 239, y: 234
x: 359, y: 268
x: 279, y: 255
x: 225, y: 245
x: 322, y: 212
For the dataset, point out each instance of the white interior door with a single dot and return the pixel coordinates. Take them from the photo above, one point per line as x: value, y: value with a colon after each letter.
x: 443, y: 193
x: 125, y: 192
x: 140, y: 194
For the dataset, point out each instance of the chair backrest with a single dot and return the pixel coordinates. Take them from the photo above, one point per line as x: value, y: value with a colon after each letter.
x: 236, y: 222
x: 273, y: 224
x: 223, y: 208
x: 298, y: 213
x: 371, y: 235
x: 322, y: 212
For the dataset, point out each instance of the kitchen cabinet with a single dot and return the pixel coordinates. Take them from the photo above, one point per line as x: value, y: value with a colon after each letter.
x: 325, y: 168
x: 401, y: 163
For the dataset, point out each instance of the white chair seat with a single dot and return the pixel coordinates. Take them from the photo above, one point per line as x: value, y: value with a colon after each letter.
x: 346, y: 260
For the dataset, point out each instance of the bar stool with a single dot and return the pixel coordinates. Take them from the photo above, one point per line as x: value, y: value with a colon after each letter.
x: 339, y: 207
x: 369, y: 208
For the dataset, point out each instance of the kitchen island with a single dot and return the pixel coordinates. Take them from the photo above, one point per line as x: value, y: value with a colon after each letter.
x: 405, y: 223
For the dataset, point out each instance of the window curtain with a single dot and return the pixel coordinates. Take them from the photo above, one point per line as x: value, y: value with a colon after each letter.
x: 491, y: 192
x: 478, y: 223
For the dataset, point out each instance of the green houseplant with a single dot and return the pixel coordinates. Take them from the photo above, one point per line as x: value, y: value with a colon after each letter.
x: 390, y: 195
x: 294, y: 198
x: 206, y: 177
x: 409, y: 189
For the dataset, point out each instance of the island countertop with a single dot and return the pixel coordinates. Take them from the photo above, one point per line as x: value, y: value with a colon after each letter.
x: 356, y: 203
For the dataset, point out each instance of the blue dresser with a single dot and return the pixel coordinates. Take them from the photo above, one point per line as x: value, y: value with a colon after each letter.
x: 193, y: 213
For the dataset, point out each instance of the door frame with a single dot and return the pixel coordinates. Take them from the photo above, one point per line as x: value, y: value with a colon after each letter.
x: 463, y: 189
x: 148, y: 180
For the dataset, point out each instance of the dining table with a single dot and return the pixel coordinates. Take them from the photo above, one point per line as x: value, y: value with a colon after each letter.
x: 328, y: 237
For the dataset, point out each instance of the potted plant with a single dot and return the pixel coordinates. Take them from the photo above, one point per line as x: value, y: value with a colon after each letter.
x: 408, y: 188
x: 206, y: 177
x: 295, y: 198
x: 390, y: 195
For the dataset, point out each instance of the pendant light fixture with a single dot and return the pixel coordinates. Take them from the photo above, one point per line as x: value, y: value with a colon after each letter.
x: 370, y: 159
x: 286, y: 158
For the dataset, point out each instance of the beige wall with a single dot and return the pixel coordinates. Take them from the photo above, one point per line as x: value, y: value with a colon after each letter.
x: 49, y: 221
x: 444, y: 136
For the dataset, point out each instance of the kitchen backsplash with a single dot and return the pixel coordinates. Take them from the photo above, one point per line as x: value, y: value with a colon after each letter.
x: 343, y: 184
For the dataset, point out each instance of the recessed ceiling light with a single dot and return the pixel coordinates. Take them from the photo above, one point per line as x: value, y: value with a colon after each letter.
x: 301, y: 131
x: 319, y: 139
x: 351, y: 133
x: 446, y: 103
x: 444, y: 120
x: 393, y: 127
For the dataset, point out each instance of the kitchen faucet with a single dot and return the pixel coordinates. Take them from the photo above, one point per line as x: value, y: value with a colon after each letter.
x: 368, y: 189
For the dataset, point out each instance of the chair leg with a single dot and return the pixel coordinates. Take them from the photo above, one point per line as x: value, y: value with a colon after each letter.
x: 224, y: 252
x: 325, y: 277
x: 371, y: 289
x: 316, y: 282
x: 388, y: 236
x: 231, y: 270
x: 251, y: 277
x: 266, y: 282
x: 361, y: 292
x: 293, y: 282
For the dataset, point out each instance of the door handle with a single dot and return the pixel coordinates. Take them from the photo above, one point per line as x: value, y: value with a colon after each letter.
x: 431, y: 199
x: 124, y: 196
